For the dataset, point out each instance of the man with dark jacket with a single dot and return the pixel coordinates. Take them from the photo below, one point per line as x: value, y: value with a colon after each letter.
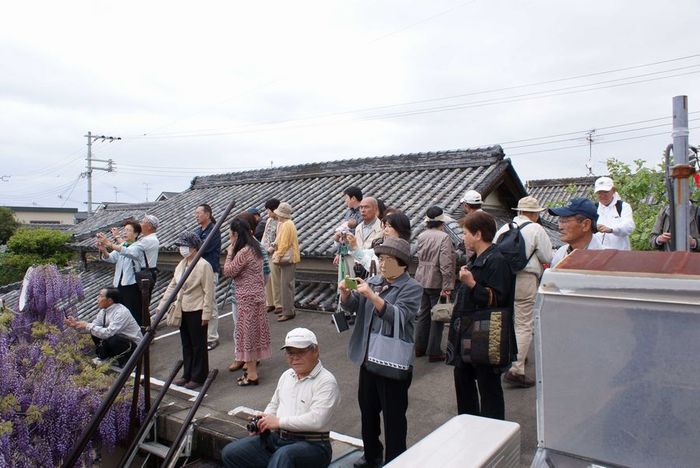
x: 661, y: 233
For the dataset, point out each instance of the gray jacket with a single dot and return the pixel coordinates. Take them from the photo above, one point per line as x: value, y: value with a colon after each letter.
x: 403, y: 297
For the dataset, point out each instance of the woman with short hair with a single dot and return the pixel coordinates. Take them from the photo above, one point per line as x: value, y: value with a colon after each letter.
x: 486, y: 275
x: 125, y: 267
x: 196, y: 298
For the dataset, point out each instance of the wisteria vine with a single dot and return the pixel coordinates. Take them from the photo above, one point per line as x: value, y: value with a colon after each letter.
x: 49, y: 387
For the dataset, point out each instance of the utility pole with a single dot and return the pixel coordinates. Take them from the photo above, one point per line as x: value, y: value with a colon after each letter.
x: 88, y: 173
x: 145, y: 184
x: 589, y: 139
x: 681, y: 171
x: 116, y: 191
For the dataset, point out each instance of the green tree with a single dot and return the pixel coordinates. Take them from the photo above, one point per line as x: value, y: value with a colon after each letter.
x: 29, y: 247
x: 643, y: 188
x: 8, y: 224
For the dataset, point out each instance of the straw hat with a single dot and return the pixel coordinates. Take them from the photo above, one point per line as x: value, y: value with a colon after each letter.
x: 284, y: 210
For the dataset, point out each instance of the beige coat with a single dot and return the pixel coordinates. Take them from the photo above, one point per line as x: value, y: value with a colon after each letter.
x: 198, y: 291
x: 436, y: 260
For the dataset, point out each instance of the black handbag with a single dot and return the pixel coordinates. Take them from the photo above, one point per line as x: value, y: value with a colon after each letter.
x: 144, y: 274
x: 485, y: 337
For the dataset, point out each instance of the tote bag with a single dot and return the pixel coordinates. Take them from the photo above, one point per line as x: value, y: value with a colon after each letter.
x: 485, y: 335
x: 390, y: 356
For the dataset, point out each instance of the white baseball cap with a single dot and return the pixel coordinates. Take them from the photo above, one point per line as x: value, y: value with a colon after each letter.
x: 471, y: 197
x: 603, y: 184
x: 300, y: 338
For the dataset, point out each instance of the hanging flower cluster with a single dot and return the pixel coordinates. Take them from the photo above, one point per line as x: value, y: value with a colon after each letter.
x: 49, y: 387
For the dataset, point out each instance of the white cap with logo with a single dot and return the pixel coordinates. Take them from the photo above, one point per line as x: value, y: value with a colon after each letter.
x: 603, y: 184
x: 300, y: 338
x: 472, y: 197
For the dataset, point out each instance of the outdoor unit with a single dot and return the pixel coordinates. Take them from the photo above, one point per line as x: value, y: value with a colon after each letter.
x: 618, y: 360
x: 465, y: 441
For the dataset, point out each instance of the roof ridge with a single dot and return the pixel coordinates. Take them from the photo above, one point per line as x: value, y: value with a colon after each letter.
x: 393, y: 163
x: 585, y: 180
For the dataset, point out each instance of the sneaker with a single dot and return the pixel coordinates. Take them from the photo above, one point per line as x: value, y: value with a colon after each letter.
x: 212, y: 344
x: 518, y: 380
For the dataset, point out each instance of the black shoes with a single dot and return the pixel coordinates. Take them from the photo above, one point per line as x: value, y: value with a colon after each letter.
x: 518, y: 380
x: 363, y: 463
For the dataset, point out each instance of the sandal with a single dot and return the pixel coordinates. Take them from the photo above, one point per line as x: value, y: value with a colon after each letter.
x: 246, y: 381
x: 241, y: 378
x: 284, y: 318
x: 236, y: 365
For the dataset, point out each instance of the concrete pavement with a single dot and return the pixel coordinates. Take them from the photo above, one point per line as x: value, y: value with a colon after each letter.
x: 431, y: 396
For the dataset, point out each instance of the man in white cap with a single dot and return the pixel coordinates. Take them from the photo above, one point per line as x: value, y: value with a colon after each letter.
x: 471, y: 201
x: 294, y: 428
x: 615, y: 221
x: 538, y: 250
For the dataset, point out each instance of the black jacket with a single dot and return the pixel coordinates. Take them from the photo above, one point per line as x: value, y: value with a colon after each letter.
x: 490, y: 270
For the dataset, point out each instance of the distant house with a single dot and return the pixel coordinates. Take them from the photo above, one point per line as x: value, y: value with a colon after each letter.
x: 44, y: 216
x: 557, y: 192
x: 409, y: 182
x: 165, y: 195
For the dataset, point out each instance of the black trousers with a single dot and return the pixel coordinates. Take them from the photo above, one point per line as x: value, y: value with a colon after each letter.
x: 131, y: 299
x: 193, y: 336
x: 390, y: 397
x: 488, y: 380
x: 428, y: 334
x: 114, y: 347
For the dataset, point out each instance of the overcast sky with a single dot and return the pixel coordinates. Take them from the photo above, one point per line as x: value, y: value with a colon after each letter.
x: 196, y: 88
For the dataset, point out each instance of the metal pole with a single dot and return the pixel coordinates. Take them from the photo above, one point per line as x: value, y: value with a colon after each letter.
x: 118, y: 384
x: 680, y: 171
x: 145, y: 287
x: 89, y: 173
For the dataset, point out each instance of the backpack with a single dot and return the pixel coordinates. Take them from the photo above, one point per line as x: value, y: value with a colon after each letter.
x: 512, y: 246
x: 618, y: 207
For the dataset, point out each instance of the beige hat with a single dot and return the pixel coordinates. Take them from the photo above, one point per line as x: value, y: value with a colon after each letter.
x: 529, y: 204
x: 284, y: 210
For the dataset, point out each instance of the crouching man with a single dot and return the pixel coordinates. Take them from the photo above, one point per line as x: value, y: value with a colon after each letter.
x: 294, y: 428
x: 114, y: 331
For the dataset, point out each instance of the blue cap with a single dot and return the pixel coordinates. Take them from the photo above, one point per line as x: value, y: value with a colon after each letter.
x: 578, y: 206
x: 253, y: 211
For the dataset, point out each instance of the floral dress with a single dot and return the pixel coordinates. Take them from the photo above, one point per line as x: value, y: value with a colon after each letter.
x: 252, y: 329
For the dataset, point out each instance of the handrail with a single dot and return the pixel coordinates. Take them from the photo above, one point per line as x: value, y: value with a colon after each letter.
x: 150, y: 415
x: 190, y: 415
x: 119, y: 383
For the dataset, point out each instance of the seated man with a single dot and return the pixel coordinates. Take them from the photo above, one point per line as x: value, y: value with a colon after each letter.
x: 294, y: 429
x: 114, y: 331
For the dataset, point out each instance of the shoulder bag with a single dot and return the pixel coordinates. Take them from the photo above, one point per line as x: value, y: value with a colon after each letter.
x: 485, y: 335
x: 442, y: 311
x: 173, y: 317
x: 285, y: 259
x: 389, y: 356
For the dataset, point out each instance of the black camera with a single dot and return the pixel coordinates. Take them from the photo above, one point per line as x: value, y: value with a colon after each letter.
x: 252, y: 425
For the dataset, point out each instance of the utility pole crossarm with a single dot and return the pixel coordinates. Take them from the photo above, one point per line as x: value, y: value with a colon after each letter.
x: 88, y: 173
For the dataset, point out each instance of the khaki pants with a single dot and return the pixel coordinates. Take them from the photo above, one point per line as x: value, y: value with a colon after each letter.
x: 525, y: 292
x: 287, y: 273
x: 272, y: 288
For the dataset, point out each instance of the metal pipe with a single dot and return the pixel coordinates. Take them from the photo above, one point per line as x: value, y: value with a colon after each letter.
x: 118, y: 384
x: 680, y: 176
x: 150, y: 415
x: 671, y: 198
x: 146, y: 288
x: 190, y: 415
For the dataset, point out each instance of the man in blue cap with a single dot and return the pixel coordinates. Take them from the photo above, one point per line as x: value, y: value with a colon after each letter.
x: 577, y: 224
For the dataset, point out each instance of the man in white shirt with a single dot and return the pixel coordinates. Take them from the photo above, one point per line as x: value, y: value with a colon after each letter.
x: 114, y: 331
x: 538, y: 249
x: 615, y: 221
x: 294, y: 428
x: 577, y: 226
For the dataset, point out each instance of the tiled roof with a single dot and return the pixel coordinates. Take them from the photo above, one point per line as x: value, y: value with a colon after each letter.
x: 410, y: 182
x: 557, y: 192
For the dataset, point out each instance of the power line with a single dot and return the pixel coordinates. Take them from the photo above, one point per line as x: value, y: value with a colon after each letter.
x: 239, y: 129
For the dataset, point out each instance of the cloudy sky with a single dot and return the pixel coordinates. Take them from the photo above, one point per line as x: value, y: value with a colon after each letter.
x: 211, y: 87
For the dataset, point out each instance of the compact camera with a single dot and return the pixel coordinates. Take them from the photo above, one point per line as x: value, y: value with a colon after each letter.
x: 252, y: 425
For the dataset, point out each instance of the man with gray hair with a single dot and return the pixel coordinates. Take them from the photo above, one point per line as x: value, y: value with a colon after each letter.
x: 150, y: 244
